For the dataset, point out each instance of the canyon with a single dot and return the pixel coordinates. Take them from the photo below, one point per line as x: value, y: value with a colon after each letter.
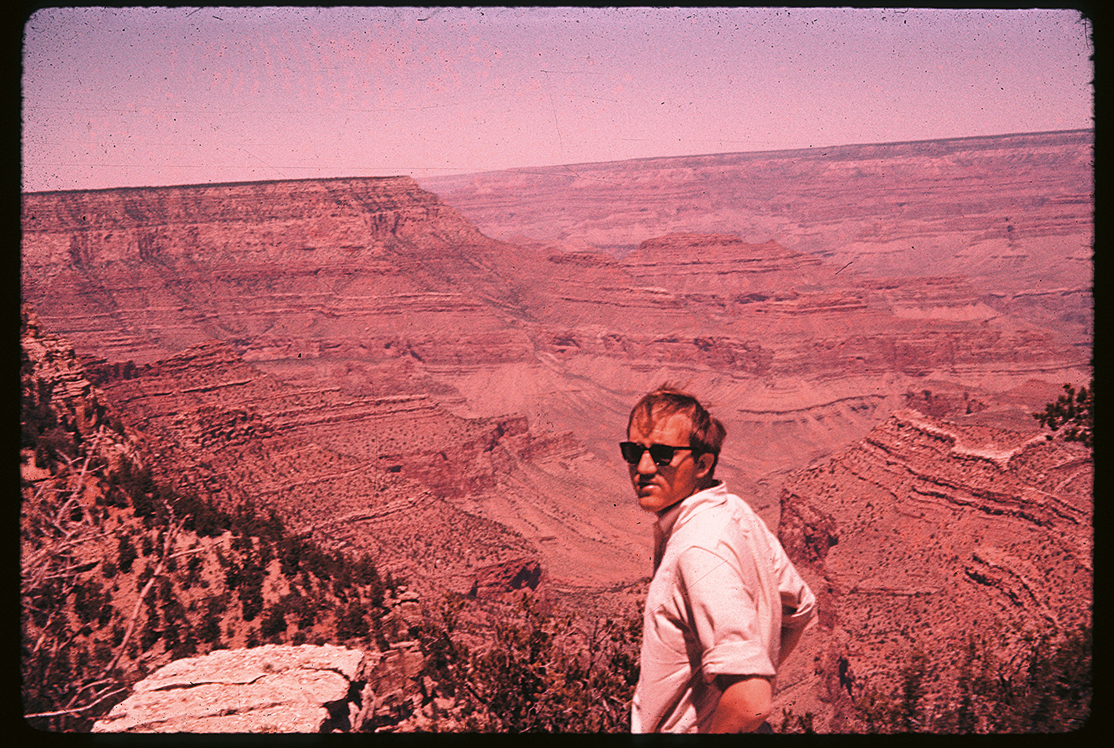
x: 1012, y: 214
x: 437, y: 372
x: 928, y: 532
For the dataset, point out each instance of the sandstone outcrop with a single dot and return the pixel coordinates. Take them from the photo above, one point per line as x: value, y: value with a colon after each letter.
x: 120, y: 575
x: 523, y: 575
x: 424, y: 356
x: 54, y: 376
x: 258, y: 262
x: 363, y: 473
x: 268, y: 689
x: 355, y: 354
x: 59, y: 375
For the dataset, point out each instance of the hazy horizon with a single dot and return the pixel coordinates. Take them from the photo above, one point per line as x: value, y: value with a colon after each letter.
x: 138, y: 97
x: 554, y: 166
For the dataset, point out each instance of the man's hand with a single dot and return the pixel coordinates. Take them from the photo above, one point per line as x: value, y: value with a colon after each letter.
x: 744, y: 705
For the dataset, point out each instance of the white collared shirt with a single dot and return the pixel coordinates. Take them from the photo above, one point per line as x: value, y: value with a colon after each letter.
x: 722, y: 592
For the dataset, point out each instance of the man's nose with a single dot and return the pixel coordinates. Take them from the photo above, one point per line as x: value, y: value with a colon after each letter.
x: 646, y: 463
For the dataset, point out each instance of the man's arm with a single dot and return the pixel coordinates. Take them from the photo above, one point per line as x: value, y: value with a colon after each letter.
x: 744, y: 705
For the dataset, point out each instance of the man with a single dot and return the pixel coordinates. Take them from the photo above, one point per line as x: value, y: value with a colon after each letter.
x: 725, y: 606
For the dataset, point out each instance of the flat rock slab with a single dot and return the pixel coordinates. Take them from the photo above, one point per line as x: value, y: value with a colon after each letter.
x: 271, y: 688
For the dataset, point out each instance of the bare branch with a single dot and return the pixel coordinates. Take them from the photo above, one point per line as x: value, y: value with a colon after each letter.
x: 188, y: 552
x: 42, y: 636
x: 168, y: 541
x: 47, y: 484
x: 76, y: 709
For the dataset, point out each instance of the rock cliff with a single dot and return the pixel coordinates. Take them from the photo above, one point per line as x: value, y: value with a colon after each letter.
x: 414, y: 344
x: 925, y: 532
x: 368, y: 473
x: 146, y: 272
x: 122, y: 573
x: 1012, y: 214
x: 356, y: 355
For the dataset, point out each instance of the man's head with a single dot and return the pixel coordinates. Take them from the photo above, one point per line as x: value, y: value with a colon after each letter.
x: 670, y: 417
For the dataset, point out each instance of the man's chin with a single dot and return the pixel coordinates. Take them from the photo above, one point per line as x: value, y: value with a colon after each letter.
x: 649, y: 500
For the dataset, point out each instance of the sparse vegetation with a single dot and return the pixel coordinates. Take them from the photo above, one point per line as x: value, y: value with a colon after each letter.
x: 1047, y: 689
x: 540, y: 672
x: 120, y: 573
x: 75, y: 658
x: 1072, y: 415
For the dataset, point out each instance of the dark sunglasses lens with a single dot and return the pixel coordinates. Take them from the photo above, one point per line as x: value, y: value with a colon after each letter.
x: 632, y: 452
x: 661, y: 454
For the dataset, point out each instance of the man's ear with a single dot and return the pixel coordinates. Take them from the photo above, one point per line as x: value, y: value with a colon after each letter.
x: 704, y: 464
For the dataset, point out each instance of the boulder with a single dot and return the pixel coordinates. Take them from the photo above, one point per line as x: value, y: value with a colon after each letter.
x: 519, y: 575
x: 271, y: 688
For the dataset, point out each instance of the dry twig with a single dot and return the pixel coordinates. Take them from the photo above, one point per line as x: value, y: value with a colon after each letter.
x: 168, y: 542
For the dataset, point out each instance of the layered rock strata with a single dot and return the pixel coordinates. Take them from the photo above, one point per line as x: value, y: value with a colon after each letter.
x: 327, y: 463
x: 142, y: 273
x: 926, y: 532
x: 1012, y: 213
x: 387, y: 312
x: 355, y: 354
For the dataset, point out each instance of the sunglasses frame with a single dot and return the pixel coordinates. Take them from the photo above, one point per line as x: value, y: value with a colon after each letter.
x: 624, y: 447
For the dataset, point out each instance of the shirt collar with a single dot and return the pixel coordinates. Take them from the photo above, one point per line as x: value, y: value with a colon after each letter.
x: 680, y: 512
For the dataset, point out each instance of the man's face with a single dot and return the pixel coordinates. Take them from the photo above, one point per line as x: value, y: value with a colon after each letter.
x: 660, y: 487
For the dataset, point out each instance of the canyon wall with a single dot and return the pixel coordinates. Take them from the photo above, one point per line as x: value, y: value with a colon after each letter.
x: 497, y: 376
x: 1013, y: 214
x: 928, y: 532
x: 930, y: 529
x: 360, y: 356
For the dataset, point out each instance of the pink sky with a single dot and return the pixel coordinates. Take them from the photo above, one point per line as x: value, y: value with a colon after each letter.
x: 158, y: 96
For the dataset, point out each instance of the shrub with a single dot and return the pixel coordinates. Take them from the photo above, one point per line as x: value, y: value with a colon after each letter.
x: 1048, y: 689
x: 352, y: 622
x: 273, y: 625
x: 251, y: 590
x: 209, y: 630
x: 540, y: 673
x: 1073, y: 412
x: 70, y: 631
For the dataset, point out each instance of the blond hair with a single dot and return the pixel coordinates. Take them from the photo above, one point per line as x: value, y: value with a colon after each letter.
x: 707, y: 433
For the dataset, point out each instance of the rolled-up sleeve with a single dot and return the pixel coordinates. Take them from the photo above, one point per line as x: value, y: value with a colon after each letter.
x: 725, y: 616
x: 798, y: 603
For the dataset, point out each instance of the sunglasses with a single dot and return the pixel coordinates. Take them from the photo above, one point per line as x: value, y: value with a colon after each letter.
x: 661, y: 454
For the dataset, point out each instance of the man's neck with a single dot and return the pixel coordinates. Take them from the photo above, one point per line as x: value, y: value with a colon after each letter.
x: 699, y: 489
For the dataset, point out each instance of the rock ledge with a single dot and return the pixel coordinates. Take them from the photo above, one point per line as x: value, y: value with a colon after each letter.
x: 273, y: 688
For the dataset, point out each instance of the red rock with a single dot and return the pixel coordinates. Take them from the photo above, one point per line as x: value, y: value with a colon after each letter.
x: 398, y: 340
x: 498, y: 580
x: 927, y: 531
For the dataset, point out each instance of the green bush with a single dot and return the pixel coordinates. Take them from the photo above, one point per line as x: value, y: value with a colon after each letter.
x: 1074, y: 412
x: 1046, y: 690
x: 538, y: 672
